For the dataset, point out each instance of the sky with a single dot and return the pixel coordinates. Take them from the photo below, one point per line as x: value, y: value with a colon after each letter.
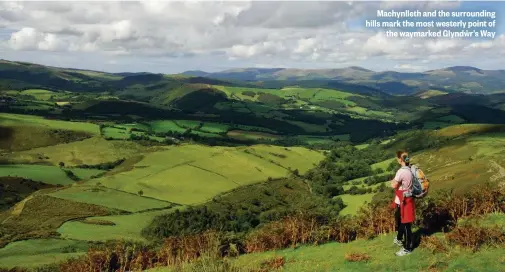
x: 172, y: 37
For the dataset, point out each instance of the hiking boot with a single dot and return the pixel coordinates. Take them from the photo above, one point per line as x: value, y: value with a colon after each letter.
x: 397, y: 242
x: 403, y: 252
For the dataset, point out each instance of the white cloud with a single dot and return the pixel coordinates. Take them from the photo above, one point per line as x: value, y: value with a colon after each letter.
x: 245, y: 32
x: 409, y: 67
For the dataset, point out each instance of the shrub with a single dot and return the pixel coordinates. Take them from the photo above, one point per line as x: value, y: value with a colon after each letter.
x: 474, y: 237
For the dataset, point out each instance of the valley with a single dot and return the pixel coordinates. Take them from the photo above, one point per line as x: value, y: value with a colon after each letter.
x: 89, y: 159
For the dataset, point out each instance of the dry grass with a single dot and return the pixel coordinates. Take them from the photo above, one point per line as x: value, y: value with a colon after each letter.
x: 433, y: 244
x: 357, y: 257
x: 272, y: 264
x: 94, y: 221
x: 473, y: 237
x: 303, y: 229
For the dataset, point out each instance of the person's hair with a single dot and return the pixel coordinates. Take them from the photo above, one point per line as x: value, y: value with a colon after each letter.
x: 404, y: 156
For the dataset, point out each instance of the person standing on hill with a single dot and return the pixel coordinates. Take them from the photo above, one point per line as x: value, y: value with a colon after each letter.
x: 404, y: 204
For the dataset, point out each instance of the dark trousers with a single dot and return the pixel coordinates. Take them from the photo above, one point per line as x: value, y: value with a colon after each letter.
x: 404, y: 230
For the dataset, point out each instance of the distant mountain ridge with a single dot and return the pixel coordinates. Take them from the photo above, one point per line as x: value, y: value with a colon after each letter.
x: 455, y: 79
x: 466, y: 79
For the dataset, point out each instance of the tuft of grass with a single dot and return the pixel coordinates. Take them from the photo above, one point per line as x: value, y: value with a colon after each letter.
x: 434, y: 244
x: 273, y: 263
x: 357, y: 257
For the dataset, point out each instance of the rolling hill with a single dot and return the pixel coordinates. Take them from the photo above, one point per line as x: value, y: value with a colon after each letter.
x: 451, y: 79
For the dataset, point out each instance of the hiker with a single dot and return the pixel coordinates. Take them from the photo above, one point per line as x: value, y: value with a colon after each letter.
x: 404, y: 204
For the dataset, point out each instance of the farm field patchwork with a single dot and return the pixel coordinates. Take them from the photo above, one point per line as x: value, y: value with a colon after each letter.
x: 190, y: 174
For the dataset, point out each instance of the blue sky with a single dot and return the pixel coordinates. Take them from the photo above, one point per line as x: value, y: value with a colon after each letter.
x: 171, y: 37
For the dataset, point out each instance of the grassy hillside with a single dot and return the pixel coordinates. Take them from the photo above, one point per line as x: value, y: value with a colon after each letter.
x: 191, y: 174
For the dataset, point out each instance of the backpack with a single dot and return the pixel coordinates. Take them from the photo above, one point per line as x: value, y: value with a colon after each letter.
x: 420, y: 183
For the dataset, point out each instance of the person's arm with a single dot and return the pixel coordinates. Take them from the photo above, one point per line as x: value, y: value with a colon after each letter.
x: 395, y: 183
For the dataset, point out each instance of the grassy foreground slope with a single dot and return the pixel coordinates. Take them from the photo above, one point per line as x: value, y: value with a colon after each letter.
x: 191, y: 174
x: 331, y: 257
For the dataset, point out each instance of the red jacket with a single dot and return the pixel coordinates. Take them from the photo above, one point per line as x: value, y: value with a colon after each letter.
x: 407, y: 207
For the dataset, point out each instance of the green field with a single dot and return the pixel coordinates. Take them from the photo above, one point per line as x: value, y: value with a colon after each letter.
x: 382, y: 165
x: 166, y: 126
x: 214, y: 128
x: 46, y: 174
x: 180, y: 126
x: 115, y: 133
x: 37, y: 252
x: 292, y: 157
x: 39, y: 94
x: 126, y: 227
x: 190, y: 174
x: 90, y: 151
x: 109, y: 198
x: 7, y: 119
x: 205, y: 134
x: 362, y: 146
x: 304, y: 94
x: 188, y: 123
x: 134, y: 125
x: 354, y: 202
